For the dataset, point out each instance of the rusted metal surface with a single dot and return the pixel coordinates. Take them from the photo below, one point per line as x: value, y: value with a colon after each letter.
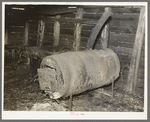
x: 75, y: 72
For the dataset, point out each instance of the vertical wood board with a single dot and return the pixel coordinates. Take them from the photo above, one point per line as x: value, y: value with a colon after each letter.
x: 56, y: 31
x: 26, y: 33
x: 135, y: 60
x: 77, y: 31
x: 41, y: 28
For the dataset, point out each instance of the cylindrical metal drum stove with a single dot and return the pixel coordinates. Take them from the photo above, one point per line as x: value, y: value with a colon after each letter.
x: 75, y: 72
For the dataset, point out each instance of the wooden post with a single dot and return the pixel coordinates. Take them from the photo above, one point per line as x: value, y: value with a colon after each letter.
x: 112, y: 89
x: 96, y: 29
x: 136, y: 53
x: 105, y: 32
x: 13, y: 53
x: 6, y: 37
x: 56, y: 31
x: 26, y: 33
x: 77, y: 31
x: 70, y: 105
x: 41, y: 28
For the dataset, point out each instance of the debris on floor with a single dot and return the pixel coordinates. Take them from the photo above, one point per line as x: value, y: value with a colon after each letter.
x: 18, y: 96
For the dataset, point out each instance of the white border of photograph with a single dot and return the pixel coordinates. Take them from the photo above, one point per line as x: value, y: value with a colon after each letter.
x: 48, y: 115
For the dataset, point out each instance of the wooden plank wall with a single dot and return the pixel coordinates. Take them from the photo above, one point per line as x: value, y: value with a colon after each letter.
x: 14, y: 26
x: 66, y: 30
x: 123, y: 26
x: 15, y: 32
x: 32, y: 35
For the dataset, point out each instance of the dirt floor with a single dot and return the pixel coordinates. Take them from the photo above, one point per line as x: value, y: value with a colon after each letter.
x: 19, y: 95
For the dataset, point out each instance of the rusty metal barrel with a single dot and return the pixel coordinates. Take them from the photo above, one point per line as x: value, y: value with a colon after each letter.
x: 75, y: 72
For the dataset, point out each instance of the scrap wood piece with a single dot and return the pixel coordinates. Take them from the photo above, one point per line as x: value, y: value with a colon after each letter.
x: 101, y: 91
x: 33, y: 79
x: 97, y: 28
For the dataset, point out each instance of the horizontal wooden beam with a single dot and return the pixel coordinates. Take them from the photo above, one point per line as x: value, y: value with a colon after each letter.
x: 66, y: 31
x: 124, y: 50
x: 54, y: 10
x: 125, y: 10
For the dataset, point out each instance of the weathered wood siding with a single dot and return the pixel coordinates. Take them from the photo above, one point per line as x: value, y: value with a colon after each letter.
x: 67, y: 28
x: 123, y: 26
x: 15, y: 28
x: 32, y: 35
x: 66, y: 37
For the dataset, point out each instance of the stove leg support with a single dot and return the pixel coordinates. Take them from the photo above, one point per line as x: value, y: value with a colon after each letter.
x: 113, y: 87
x: 70, y: 106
